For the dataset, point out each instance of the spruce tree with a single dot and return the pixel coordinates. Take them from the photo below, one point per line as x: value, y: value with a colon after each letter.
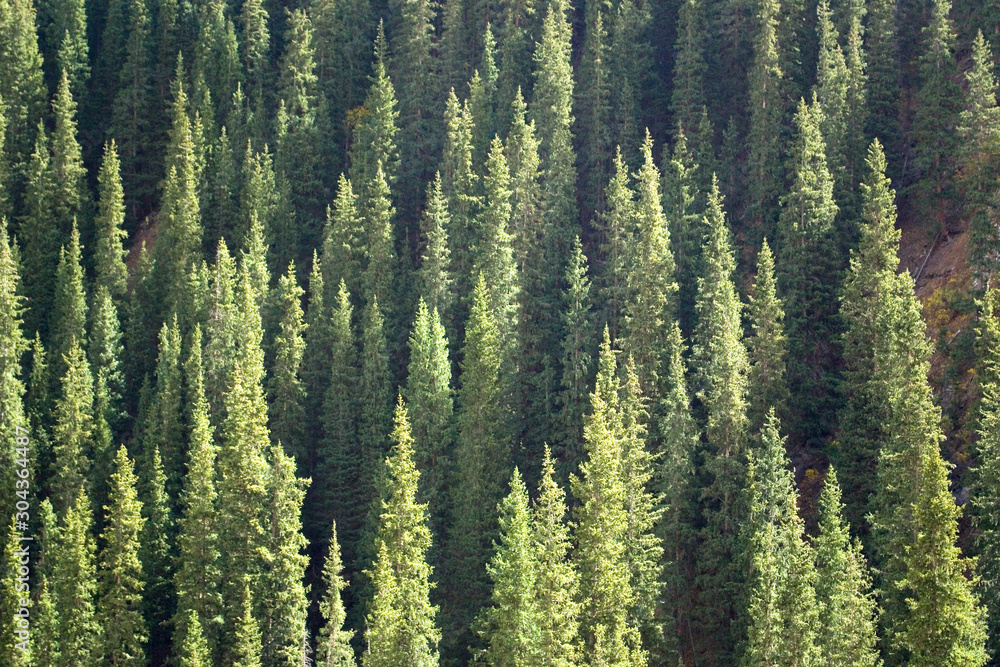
x: 40, y: 238
x: 16, y: 644
x: 281, y: 601
x: 978, y: 127
x: 651, y: 280
x: 511, y: 625
x: 286, y: 393
x: 12, y: 347
x: 333, y: 647
x: 194, y: 650
x: 378, y: 274
x: 577, y: 358
x: 180, y: 233
x: 69, y: 308
x: 434, y: 278
x: 220, y: 331
x: 70, y: 196
x: 593, y: 105
x: 375, y: 135
x: 847, y: 608
x: 617, y: 225
x: 882, y: 48
x: 557, y: 580
x: 130, y: 123
x: 163, y: 424
x: 683, y: 197
x: 315, y: 376
x: 400, y: 626
x: 764, y: 161
x: 110, y: 235
x: 343, y: 243
x: 688, y: 95
x: 482, y: 454
x: 374, y: 416
x: 21, y: 85
x: 156, y: 554
x: 74, y: 585
x: 429, y: 395
x: 720, y: 385
x: 782, y: 615
x: 72, y: 431
x: 255, y: 53
x: 337, y: 454
x: 243, y: 475
x: 937, y: 115
x: 198, y: 568
x: 119, y: 605
x: 494, y: 256
x: 602, y: 527
x: 766, y: 347
x: 809, y: 267
x: 246, y: 636
x: 864, y: 416
x: 551, y: 108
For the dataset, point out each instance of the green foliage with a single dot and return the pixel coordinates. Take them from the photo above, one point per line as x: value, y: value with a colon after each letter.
x: 434, y: 278
x: 12, y: 347
x: 119, y: 609
x: 808, y: 268
x: 511, y: 625
x: 980, y: 157
x: 429, y: 395
x: 194, y: 651
x: 74, y: 585
x: 605, y: 541
x: 343, y: 244
x: 286, y: 391
x: 577, y: 358
x: 110, y: 235
x: 782, y: 613
x: 21, y: 85
x: 766, y: 347
x: 70, y: 196
x: 847, y: 608
x: 72, y: 430
x: 156, y: 555
x: 375, y: 135
x: 333, y: 645
x: 69, y: 308
x: 400, y: 627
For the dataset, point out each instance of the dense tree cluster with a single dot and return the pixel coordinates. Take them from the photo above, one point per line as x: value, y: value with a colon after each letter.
x: 523, y: 334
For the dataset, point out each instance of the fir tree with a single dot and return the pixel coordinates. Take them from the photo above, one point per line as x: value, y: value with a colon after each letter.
x: 16, y: 645
x: 130, y: 119
x: 119, y: 607
x: 864, y: 417
x: 156, y: 554
x: 21, y: 85
x: 110, y: 235
x: 74, y: 585
x: 333, y: 646
x: 429, y: 395
x: 782, y: 615
x: 242, y: 471
x: 315, y: 376
x: 978, y: 128
x: 343, y: 244
x: 12, y: 346
x: 720, y: 385
x: 594, y: 106
x: 220, y: 331
x: 287, y: 409
x: 682, y: 203
x: 651, y: 279
x: 764, y: 168
x: 39, y: 236
x: 375, y: 135
x: 617, y: 225
x: 807, y: 280
x: 69, y: 308
x: 400, y: 627
x: 602, y: 527
x: 557, y: 581
x: 433, y: 277
x: 882, y: 48
x: 246, y: 638
x: 163, y: 424
x: 937, y: 114
x: 180, y: 233
x: 337, y: 457
x: 494, y: 255
x: 194, y: 651
x: 255, y: 53
x: 70, y: 196
x: 552, y: 111
x: 375, y: 419
x: 72, y: 431
x: 847, y: 608
x: 511, y: 625
x: 481, y: 455
x: 198, y: 568
x: 577, y: 358
x: 281, y: 602
x: 766, y: 347
x: 688, y: 95
x: 380, y: 254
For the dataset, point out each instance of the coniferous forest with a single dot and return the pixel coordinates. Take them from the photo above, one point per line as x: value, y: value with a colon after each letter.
x: 517, y: 333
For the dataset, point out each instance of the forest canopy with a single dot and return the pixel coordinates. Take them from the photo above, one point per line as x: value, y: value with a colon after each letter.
x: 517, y: 333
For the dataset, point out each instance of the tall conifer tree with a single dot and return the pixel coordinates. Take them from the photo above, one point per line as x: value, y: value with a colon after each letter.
x: 74, y: 585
